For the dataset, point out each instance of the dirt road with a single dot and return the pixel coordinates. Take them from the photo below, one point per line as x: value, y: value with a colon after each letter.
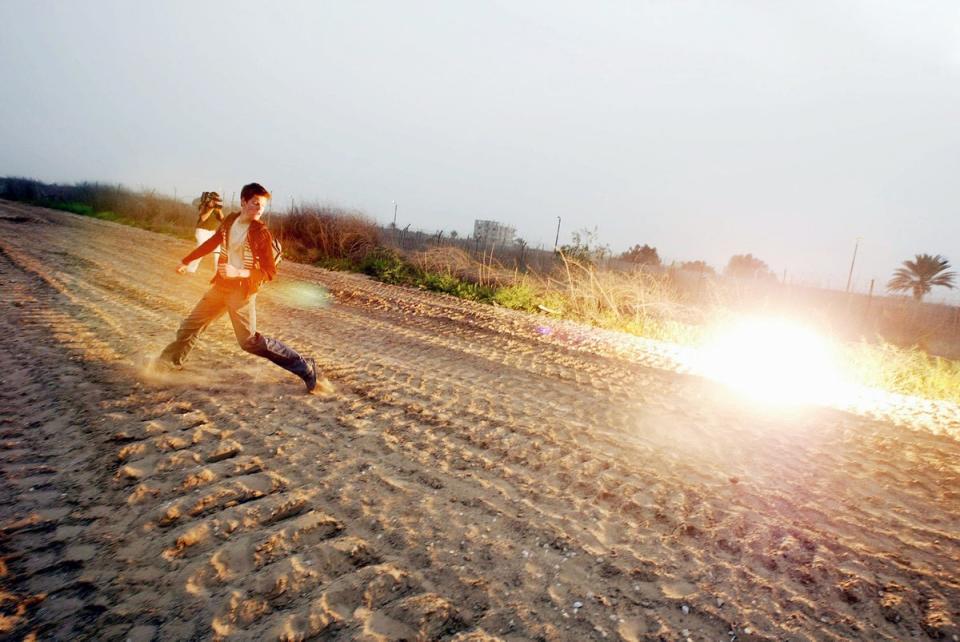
x: 480, y: 474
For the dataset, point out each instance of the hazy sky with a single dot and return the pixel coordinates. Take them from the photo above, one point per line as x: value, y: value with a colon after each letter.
x: 704, y: 128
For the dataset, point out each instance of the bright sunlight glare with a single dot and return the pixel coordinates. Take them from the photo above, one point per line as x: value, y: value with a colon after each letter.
x: 773, y: 361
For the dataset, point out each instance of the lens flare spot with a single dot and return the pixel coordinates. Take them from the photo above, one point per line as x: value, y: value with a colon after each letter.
x: 301, y: 295
x: 773, y: 361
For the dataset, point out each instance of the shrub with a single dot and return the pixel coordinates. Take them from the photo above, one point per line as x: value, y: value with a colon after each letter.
x: 440, y: 282
x: 747, y: 266
x: 458, y: 288
x: 314, y: 233
x: 517, y: 297
x: 76, y: 208
x: 21, y: 189
x: 585, y: 248
x: 386, y: 265
x: 646, y: 255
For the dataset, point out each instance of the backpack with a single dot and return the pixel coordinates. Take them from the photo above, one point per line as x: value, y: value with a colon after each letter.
x: 277, y: 250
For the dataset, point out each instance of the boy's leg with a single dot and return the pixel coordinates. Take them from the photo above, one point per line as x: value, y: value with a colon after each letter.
x: 208, y: 309
x: 243, y: 315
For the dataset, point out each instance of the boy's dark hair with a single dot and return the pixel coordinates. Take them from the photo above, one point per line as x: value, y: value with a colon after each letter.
x: 253, y: 189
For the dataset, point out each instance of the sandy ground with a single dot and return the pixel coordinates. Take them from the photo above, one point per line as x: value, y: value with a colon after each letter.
x: 480, y: 474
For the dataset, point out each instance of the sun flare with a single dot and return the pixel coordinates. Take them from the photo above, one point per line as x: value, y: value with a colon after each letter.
x: 773, y: 360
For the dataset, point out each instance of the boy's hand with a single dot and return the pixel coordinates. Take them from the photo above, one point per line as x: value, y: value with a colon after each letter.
x: 227, y: 271
x: 181, y: 269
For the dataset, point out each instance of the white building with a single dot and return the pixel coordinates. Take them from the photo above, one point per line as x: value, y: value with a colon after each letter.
x: 492, y: 232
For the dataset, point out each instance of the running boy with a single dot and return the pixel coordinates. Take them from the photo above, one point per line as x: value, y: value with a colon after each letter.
x: 246, y: 260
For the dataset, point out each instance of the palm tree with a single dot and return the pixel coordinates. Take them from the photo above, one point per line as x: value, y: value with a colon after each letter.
x: 920, y: 275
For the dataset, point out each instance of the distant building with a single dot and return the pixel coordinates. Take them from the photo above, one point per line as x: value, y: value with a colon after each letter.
x: 492, y: 232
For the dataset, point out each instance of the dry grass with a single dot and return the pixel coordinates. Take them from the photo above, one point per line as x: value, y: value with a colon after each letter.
x: 151, y: 209
x: 642, y: 302
x: 455, y: 262
x: 313, y: 233
x: 639, y: 302
x: 449, y: 261
x: 909, y: 371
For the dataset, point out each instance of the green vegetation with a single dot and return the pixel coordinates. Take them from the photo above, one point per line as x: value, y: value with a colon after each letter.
x: 449, y: 284
x: 387, y: 265
x: 87, y: 210
x: 77, y: 208
x: 518, y: 297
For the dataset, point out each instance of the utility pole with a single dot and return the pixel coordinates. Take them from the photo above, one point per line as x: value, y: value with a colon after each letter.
x: 557, y: 241
x: 394, y: 215
x: 852, y: 261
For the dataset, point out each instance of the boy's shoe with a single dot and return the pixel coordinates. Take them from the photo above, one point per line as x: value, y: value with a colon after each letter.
x: 317, y: 385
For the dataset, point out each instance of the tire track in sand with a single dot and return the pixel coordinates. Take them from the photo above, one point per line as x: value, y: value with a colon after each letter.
x: 472, y: 476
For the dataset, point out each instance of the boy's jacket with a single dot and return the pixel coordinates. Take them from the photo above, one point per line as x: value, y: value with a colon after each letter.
x: 261, y: 245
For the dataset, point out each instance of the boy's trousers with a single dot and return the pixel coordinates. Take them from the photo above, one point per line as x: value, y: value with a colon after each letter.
x: 228, y: 296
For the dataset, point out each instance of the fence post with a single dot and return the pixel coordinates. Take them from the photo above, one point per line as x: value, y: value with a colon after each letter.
x: 700, y: 277
x: 866, y: 310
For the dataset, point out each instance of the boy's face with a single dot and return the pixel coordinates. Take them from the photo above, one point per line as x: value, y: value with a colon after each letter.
x: 254, y: 207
